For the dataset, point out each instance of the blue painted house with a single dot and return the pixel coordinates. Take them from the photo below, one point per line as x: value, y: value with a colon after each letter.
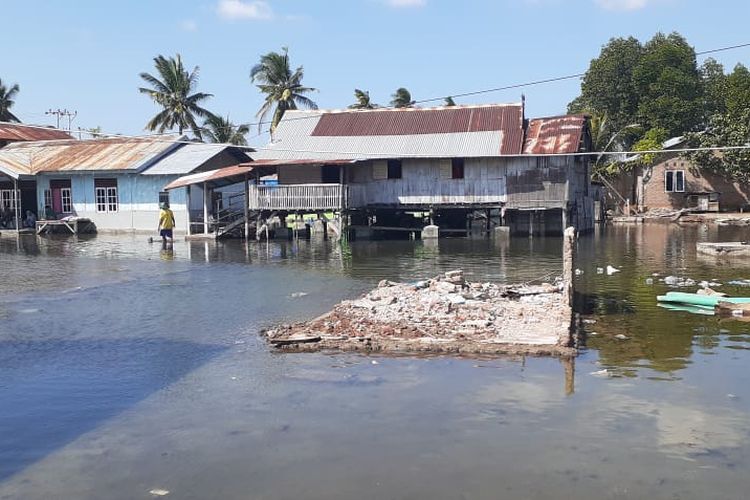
x: 116, y: 182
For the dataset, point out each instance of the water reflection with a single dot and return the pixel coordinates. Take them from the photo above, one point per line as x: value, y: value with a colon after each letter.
x: 148, y: 368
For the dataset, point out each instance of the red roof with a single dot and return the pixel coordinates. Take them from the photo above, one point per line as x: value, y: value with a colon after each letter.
x: 556, y: 135
x: 19, y: 132
x: 507, y: 119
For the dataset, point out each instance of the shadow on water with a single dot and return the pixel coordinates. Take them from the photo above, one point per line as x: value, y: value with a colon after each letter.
x: 55, y: 391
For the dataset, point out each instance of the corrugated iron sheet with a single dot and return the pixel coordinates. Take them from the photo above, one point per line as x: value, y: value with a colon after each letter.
x: 187, y: 158
x: 556, y: 135
x: 238, y: 171
x: 94, y: 155
x: 294, y: 140
x: 19, y: 132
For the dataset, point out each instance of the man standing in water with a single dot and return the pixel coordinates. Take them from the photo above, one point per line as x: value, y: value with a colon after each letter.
x: 166, y: 223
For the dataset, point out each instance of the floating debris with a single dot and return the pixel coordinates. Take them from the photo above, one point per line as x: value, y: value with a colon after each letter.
x: 612, y: 270
x: 157, y: 492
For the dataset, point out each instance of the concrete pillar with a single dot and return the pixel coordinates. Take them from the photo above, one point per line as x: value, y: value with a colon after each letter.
x: 569, y: 257
x: 502, y: 233
x: 430, y: 231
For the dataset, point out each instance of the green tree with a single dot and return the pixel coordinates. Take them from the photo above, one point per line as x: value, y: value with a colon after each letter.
x: 714, y: 83
x: 221, y: 130
x: 668, y: 85
x: 7, y: 96
x: 363, y: 100
x: 724, y: 129
x: 652, y: 140
x: 282, y: 86
x: 402, y: 98
x: 174, y: 91
x: 607, y: 88
x: 738, y: 91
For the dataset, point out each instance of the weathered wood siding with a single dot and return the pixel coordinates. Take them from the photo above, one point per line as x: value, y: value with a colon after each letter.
x: 300, y: 174
x: 517, y: 182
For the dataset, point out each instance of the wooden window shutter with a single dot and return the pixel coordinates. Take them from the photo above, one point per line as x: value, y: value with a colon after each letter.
x: 446, y: 169
x: 379, y: 170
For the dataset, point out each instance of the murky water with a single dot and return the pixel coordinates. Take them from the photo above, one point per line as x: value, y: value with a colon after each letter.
x: 125, y: 369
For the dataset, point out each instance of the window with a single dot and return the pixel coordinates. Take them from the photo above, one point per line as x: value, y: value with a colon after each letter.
x: 105, y: 192
x: 163, y: 197
x: 67, y: 200
x: 394, y: 169
x: 457, y: 168
x: 47, y: 197
x: 674, y: 181
x: 8, y: 199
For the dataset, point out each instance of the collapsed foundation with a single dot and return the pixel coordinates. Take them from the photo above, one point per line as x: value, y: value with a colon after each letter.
x: 446, y: 314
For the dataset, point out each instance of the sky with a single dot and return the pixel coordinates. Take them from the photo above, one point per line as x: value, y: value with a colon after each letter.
x: 86, y: 55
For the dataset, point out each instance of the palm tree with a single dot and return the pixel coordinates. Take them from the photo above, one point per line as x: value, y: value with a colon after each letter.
x: 283, y: 88
x: 6, y: 102
x: 449, y: 101
x: 363, y: 100
x: 173, y: 92
x: 222, y: 130
x: 402, y: 99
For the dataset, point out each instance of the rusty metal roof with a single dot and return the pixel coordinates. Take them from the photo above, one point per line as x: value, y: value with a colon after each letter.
x: 414, y: 121
x: 111, y: 154
x: 237, y: 171
x: 445, y: 132
x: 14, y: 132
x: 554, y: 135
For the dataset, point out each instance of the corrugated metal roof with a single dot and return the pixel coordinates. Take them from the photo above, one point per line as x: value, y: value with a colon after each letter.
x: 555, y: 135
x: 113, y: 154
x: 294, y: 138
x: 18, y: 132
x: 189, y: 157
x: 415, y: 121
x: 238, y: 171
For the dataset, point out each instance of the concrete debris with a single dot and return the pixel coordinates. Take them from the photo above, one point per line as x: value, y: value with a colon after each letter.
x: 709, y: 284
x: 442, y: 314
x: 710, y: 291
x: 675, y: 281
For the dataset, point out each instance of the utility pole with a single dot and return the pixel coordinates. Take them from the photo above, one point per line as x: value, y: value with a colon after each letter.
x: 63, y: 112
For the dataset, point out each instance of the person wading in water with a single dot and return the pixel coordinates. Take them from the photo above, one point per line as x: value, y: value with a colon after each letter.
x: 166, y: 223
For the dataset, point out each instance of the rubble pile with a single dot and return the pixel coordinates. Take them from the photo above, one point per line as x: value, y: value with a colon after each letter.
x: 443, y: 314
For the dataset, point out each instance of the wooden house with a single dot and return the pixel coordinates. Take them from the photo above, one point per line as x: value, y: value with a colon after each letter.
x: 460, y: 168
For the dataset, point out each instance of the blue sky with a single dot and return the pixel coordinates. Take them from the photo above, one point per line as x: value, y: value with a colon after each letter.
x: 86, y: 55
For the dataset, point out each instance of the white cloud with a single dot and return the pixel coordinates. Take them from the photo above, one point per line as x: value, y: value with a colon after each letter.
x: 247, y: 10
x: 188, y: 25
x: 399, y: 4
x: 622, y: 4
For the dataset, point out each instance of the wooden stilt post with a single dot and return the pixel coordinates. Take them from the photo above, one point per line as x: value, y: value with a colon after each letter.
x: 569, y: 254
x: 247, y: 207
x: 206, y: 202
x: 17, y: 204
x: 187, y: 209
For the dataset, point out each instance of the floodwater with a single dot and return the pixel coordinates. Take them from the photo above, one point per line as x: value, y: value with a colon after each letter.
x: 125, y: 369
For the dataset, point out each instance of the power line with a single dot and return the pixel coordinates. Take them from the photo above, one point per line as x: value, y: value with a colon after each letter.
x: 463, y: 94
x: 367, y: 155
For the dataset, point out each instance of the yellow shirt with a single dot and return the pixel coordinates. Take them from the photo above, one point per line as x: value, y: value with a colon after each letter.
x: 166, y: 219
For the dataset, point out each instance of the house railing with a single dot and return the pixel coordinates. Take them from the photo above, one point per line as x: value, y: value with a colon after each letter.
x: 298, y: 197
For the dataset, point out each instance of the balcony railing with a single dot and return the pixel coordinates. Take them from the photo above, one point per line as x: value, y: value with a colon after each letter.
x: 298, y: 197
